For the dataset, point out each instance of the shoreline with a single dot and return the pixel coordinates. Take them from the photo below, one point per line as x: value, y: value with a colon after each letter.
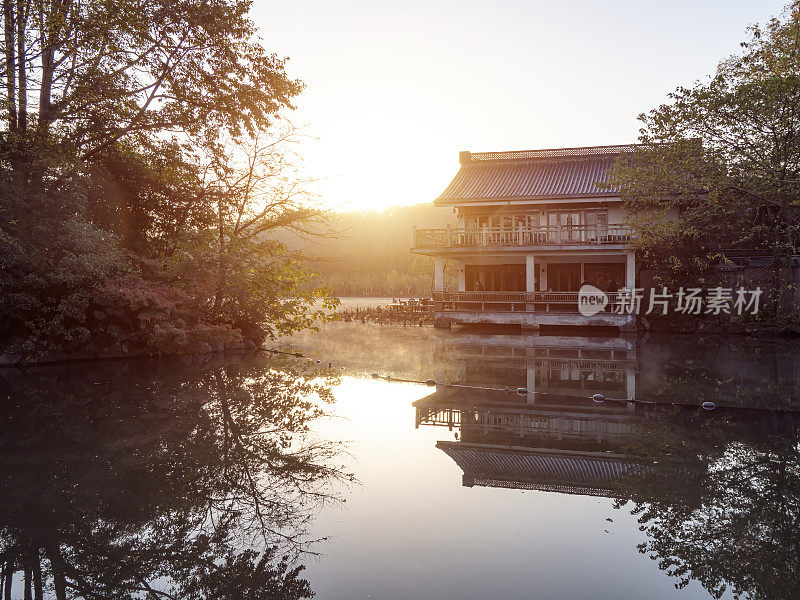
x: 11, y: 360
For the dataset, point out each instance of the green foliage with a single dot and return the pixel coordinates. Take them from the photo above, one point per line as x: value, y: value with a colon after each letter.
x: 719, y: 168
x: 267, y: 292
x: 122, y: 221
x: 49, y: 268
x: 115, y: 68
x: 683, y: 220
x: 150, y: 196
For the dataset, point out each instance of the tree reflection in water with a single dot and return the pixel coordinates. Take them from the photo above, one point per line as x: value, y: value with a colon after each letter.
x: 716, y: 493
x: 129, y: 479
x: 722, y: 503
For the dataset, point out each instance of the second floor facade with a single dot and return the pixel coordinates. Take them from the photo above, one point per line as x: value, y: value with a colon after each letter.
x: 537, y: 198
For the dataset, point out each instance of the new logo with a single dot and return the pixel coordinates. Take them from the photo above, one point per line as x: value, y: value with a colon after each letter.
x: 591, y: 300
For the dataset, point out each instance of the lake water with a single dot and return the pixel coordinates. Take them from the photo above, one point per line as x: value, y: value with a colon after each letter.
x: 531, y: 466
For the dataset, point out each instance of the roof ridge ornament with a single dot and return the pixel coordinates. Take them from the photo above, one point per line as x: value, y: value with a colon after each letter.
x: 472, y: 157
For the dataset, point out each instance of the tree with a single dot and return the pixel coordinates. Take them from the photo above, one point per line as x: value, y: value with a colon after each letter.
x: 97, y: 72
x: 256, y: 192
x: 80, y: 77
x: 116, y: 184
x: 719, y: 166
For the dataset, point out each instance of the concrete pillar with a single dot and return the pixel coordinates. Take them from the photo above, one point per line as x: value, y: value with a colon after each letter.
x: 630, y: 270
x: 462, y: 276
x: 438, y: 274
x: 583, y: 272
x: 530, y: 273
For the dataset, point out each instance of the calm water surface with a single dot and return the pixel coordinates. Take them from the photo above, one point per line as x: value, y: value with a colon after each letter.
x: 504, y: 479
x: 471, y: 492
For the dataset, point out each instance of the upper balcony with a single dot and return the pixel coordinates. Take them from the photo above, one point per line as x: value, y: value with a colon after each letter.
x: 556, y: 237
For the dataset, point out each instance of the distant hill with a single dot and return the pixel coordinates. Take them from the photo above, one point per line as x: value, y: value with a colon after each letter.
x: 371, y: 253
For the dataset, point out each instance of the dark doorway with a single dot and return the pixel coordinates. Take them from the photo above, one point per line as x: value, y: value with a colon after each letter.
x: 564, y: 277
x: 495, y: 278
x: 608, y: 277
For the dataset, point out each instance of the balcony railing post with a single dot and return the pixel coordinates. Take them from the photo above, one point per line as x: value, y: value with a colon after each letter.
x: 448, y: 237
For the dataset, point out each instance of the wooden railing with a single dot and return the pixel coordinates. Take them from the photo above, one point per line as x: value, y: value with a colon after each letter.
x: 484, y: 237
x: 535, y: 421
x: 523, y: 362
x: 478, y: 302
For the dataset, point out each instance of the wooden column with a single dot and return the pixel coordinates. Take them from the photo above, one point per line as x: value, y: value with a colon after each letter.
x: 438, y: 274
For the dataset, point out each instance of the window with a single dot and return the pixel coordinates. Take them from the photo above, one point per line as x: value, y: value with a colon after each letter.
x: 527, y: 220
x: 566, y: 220
x: 599, y: 218
x: 511, y: 221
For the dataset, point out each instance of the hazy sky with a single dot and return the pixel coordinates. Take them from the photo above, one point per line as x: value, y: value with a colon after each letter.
x: 396, y: 89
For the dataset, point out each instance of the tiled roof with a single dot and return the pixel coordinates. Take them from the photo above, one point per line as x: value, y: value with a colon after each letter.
x: 531, y: 470
x: 533, y: 174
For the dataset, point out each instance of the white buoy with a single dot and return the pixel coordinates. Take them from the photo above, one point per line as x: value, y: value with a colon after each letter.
x: 709, y: 405
x: 522, y: 391
x: 598, y: 398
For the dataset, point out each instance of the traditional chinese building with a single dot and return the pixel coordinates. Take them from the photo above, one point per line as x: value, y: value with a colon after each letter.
x: 533, y: 226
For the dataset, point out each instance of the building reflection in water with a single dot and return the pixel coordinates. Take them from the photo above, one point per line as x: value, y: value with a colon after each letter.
x: 716, y: 493
x: 551, y: 435
x: 555, y: 365
x: 566, y: 446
